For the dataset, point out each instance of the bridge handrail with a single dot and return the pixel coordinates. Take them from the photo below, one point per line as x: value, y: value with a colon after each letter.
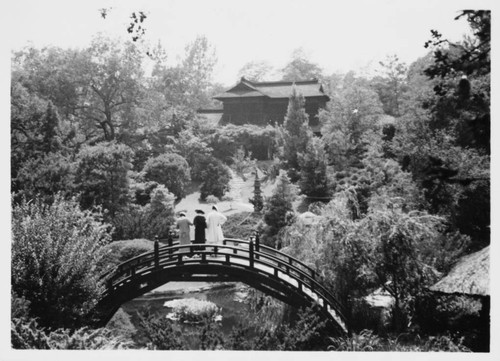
x: 146, y: 258
x: 313, y: 275
x: 275, y: 251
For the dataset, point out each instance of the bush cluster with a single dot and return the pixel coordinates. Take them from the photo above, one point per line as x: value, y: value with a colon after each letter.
x: 56, y: 250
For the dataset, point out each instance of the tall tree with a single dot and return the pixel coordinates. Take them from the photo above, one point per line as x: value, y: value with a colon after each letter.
x: 349, y: 117
x: 111, y: 75
x: 278, y: 207
x: 188, y: 84
x: 50, y: 74
x: 96, y: 87
x: 301, y: 68
x: 313, y: 177
x: 256, y: 71
x: 446, y: 145
x: 294, y: 135
x: 463, y: 89
x: 50, y: 130
x: 391, y: 85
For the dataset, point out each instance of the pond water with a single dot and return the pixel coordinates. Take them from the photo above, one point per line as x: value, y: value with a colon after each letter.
x: 229, y: 297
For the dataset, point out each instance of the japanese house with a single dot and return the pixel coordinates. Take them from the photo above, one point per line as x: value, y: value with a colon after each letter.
x: 263, y: 103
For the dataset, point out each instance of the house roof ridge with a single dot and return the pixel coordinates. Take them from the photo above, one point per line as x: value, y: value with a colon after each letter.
x: 283, y: 82
x: 252, y: 85
x: 272, y: 89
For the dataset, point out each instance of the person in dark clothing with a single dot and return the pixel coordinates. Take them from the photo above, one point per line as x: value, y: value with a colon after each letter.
x: 200, y: 225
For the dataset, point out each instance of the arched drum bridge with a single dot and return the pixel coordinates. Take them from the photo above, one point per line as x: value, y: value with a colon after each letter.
x: 264, y: 268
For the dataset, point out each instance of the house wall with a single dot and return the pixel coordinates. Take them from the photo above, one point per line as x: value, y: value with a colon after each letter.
x: 263, y: 111
x: 244, y: 111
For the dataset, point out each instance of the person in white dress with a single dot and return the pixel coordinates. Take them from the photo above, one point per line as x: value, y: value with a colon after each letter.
x: 215, y: 220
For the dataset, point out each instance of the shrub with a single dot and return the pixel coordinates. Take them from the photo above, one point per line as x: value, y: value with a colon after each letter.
x: 241, y: 225
x: 55, y: 253
x: 306, y: 333
x: 101, y: 176
x: 212, y: 199
x: 141, y: 191
x: 171, y: 170
x: 160, y: 332
x: 366, y: 340
x: 45, y: 176
x: 120, y: 251
x: 252, y: 138
x: 153, y: 219
x: 210, y: 335
x: 216, y: 177
x: 240, y: 338
x: 121, y: 325
x: 27, y: 334
x: 195, y: 150
x: 20, y: 306
x: 242, y: 162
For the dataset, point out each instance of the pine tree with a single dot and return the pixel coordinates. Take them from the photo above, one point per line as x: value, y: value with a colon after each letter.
x: 257, y: 201
x: 50, y: 130
x: 294, y: 135
x: 313, y: 179
x: 278, y: 207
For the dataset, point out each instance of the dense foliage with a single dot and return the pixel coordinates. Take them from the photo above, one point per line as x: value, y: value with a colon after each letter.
x: 101, y: 176
x: 259, y: 141
x: 278, y: 208
x: 171, y: 170
x: 303, y: 334
x: 216, y: 176
x: 29, y: 335
x: 241, y: 225
x: 148, y: 221
x: 294, y: 136
x: 55, y: 253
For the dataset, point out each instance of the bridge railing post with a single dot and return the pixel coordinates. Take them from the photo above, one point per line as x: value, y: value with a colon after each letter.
x: 157, y: 253
x: 257, y: 243
x: 170, y: 241
x: 250, y: 251
x: 109, y: 284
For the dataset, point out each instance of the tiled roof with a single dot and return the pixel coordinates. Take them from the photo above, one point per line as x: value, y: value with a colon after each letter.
x: 278, y: 89
x: 470, y: 275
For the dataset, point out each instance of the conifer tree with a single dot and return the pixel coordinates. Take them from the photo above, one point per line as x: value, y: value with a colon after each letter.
x: 257, y: 201
x: 294, y: 135
x: 313, y: 179
x: 50, y: 130
x: 278, y: 207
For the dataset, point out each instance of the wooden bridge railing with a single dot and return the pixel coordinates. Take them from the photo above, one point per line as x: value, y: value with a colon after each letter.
x: 235, y: 252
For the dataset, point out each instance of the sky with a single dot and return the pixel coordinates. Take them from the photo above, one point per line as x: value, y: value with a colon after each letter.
x: 337, y: 35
